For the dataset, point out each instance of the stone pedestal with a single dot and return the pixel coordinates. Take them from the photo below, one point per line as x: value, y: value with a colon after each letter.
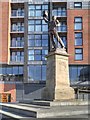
x: 57, y: 83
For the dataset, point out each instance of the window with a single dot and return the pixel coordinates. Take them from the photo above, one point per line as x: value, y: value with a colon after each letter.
x: 15, y: 70
x: 78, y: 38
x: 37, y: 55
x: 38, y: 40
x: 30, y: 54
x: 44, y: 7
x: 0, y: 70
x: 45, y: 43
x: 78, y: 54
x: 10, y: 73
x: 17, y: 26
x: 78, y: 23
x: 37, y: 25
x: 43, y: 72
x: 45, y: 40
x: 61, y: 11
x: 3, y: 70
x: 62, y: 27
x: 73, y: 73
x: 34, y: 72
x: 37, y: 72
x: 36, y: 10
x: 13, y: 42
x: 17, y: 56
x: 17, y: 12
x: 77, y: 4
x: 20, y: 70
x: 64, y: 39
x: 79, y: 73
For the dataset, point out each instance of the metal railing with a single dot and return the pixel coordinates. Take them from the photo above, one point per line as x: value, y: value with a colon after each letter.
x: 62, y: 28
x: 11, y: 77
x: 17, y: 13
x: 59, y: 13
x: 17, y: 28
x: 17, y: 1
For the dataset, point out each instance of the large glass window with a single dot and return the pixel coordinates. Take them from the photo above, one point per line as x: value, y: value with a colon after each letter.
x: 36, y: 10
x: 64, y: 39
x: 11, y: 73
x: 78, y: 54
x: 9, y: 70
x: 62, y: 27
x: 37, y: 25
x: 38, y: 40
x: 73, y: 74
x: 21, y: 70
x: 61, y: 11
x: 78, y: 23
x: 0, y: 70
x: 3, y: 70
x: 37, y: 72
x: 15, y: 70
x: 34, y: 72
x: 43, y: 72
x: 79, y: 73
x: 37, y: 55
x: 78, y: 38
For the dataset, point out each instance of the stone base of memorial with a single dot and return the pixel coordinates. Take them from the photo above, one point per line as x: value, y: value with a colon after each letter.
x: 57, y: 83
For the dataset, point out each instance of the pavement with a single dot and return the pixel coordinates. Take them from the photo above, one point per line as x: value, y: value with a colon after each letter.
x: 39, y: 110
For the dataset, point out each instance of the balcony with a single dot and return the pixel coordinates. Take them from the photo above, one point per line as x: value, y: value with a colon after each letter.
x: 17, y: 59
x: 11, y: 77
x: 17, y: 45
x: 18, y: 27
x: 59, y: 13
x: 17, y: 1
x: 62, y: 28
x: 17, y: 42
x: 17, y: 13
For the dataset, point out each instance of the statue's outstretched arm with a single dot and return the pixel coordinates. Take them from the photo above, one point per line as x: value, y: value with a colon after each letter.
x: 45, y: 19
x: 45, y: 16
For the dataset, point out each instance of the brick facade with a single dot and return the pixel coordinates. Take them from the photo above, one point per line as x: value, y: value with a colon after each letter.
x: 89, y: 36
x: 4, y: 15
x: 70, y: 35
x: 8, y: 88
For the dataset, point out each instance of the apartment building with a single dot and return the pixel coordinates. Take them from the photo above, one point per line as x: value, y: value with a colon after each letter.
x: 25, y: 42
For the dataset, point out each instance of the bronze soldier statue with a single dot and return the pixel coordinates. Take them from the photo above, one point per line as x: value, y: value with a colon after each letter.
x: 52, y: 29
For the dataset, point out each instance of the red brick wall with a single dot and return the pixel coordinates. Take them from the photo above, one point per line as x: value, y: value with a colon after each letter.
x: 70, y: 35
x: 89, y: 34
x: 4, y: 17
x: 9, y: 88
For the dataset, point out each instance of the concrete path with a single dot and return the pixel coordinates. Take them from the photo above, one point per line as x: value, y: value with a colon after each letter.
x: 22, y: 110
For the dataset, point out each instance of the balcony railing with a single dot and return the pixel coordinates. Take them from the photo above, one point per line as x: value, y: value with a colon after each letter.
x: 62, y: 28
x: 17, y: 28
x: 11, y: 77
x: 17, y: 1
x: 17, y: 59
x: 17, y: 42
x: 17, y: 13
x: 59, y: 13
x: 17, y: 45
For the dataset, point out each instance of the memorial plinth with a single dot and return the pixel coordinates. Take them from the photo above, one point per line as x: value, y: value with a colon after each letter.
x: 57, y: 80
